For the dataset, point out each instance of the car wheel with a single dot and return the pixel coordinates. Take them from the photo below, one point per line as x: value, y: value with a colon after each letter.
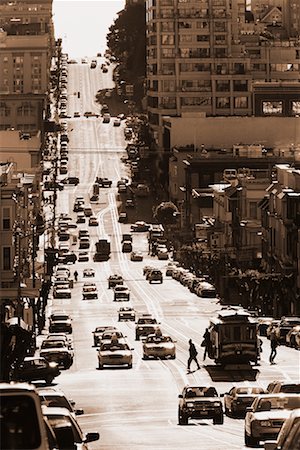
x: 173, y: 356
x: 227, y: 412
x: 145, y: 357
x: 49, y: 379
x: 250, y: 441
x: 130, y: 366
x: 182, y: 418
x: 100, y: 366
x: 137, y: 338
x: 219, y: 420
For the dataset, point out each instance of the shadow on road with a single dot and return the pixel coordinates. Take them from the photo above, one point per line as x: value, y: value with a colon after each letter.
x: 218, y: 373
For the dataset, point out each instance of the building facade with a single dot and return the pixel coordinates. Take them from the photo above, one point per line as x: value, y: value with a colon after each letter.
x: 26, y: 47
x: 202, y: 56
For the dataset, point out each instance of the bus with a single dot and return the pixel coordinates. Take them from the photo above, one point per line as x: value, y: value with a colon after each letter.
x: 233, y: 337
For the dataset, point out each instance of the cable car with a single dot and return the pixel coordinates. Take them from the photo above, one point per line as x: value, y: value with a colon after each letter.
x: 233, y: 337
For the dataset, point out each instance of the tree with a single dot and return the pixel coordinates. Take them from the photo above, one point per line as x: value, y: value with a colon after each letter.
x: 166, y: 213
x: 127, y: 40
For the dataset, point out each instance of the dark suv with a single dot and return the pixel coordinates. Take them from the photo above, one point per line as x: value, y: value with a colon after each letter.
x: 145, y: 325
x: 200, y: 402
x: 155, y: 275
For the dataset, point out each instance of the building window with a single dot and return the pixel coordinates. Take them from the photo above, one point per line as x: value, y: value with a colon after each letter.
x: 168, y: 53
x: 4, y: 110
x: 223, y: 102
x: 253, y: 210
x: 26, y: 109
x: 241, y: 102
x: 240, y: 85
x: 195, y: 101
x: 6, y: 218
x: 169, y: 85
x: 167, y: 26
x: 6, y: 258
x: 167, y: 39
x: 295, y: 108
x: 168, y: 69
x: 185, y: 38
x: 272, y: 108
x: 223, y: 86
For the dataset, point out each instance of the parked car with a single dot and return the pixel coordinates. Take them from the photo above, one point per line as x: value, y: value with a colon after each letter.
x: 58, y: 352
x: 56, y: 399
x: 123, y: 217
x: 22, y: 421
x: 140, y: 226
x: 285, y: 325
x: 36, y: 368
x: 67, y: 430
x: 60, y: 321
x: 200, y: 402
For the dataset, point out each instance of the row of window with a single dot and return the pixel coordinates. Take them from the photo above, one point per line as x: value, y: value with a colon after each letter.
x: 221, y: 102
x: 201, y: 85
x: 23, y: 110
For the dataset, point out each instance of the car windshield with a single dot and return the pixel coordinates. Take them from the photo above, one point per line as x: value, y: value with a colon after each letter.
x: 58, y: 422
x: 290, y: 388
x: 145, y: 321
x: 110, y: 334
x: 249, y: 390
x: 56, y: 401
x: 53, y: 344
x: 114, y: 347
x: 158, y: 339
x: 60, y: 317
x: 266, y: 404
x: 201, y: 392
x: 20, y: 428
x: 121, y: 288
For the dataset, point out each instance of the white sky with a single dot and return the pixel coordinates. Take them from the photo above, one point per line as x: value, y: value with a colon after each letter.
x: 83, y: 24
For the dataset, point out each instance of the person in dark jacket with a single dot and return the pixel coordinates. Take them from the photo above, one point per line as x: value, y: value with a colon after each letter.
x: 192, y: 355
x: 274, y: 345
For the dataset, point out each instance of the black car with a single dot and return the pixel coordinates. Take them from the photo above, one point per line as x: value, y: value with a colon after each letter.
x: 51, y: 185
x: 33, y: 369
x: 103, y: 182
x: 200, y: 402
x: 115, y: 279
x: 71, y: 180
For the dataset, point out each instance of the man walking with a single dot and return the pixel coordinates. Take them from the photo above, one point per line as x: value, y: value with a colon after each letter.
x: 192, y: 355
x: 274, y: 344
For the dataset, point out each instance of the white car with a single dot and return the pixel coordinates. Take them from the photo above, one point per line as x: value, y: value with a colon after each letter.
x: 267, y: 415
x: 114, y: 353
x: 159, y: 346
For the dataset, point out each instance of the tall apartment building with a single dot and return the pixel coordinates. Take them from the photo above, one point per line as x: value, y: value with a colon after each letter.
x: 26, y: 47
x: 202, y: 56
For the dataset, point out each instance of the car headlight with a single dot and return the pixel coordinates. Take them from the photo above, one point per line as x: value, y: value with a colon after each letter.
x: 217, y: 404
x: 265, y: 423
x: 52, y: 364
x: 190, y: 405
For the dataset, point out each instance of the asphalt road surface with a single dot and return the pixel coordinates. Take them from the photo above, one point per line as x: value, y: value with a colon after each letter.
x: 136, y: 409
